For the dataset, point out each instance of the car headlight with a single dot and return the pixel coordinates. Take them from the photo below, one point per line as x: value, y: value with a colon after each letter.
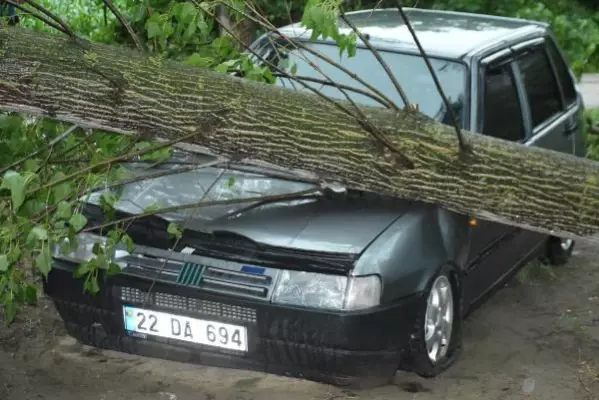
x: 334, y: 292
x: 84, y: 251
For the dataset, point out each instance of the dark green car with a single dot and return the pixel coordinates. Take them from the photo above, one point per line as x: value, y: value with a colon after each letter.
x: 343, y: 287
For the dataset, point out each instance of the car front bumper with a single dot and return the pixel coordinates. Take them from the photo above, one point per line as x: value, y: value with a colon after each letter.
x: 358, y: 349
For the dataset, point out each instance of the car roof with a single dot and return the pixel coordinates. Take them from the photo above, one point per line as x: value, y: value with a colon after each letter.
x: 441, y: 33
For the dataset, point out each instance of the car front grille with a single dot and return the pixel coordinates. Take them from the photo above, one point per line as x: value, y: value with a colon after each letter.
x: 176, y: 302
x: 219, y: 277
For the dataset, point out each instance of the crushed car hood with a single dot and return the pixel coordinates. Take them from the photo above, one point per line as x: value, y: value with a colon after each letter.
x: 343, y: 222
x: 322, y: 225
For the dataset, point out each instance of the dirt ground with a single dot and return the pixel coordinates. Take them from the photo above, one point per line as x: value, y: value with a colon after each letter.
x: 538, y: 338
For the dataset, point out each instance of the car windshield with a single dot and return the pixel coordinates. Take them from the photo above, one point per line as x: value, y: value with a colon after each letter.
x: 192, y: 186
x: 410, y: 70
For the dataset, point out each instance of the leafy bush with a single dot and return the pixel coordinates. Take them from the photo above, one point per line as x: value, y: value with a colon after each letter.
x: 591, y: 132
x: 575, y: 24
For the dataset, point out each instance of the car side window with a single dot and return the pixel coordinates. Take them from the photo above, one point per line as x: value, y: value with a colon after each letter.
x: 540, y: 84
x: 502, y: 114
x: 563, y: 72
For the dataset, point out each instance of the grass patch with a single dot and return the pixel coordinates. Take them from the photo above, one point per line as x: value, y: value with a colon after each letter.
x: 591, y: 132
x: 535, y: 271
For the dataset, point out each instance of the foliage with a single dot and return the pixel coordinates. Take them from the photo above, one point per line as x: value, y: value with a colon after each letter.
x: 576, y: 26
x: 46, y: 169
x: 592, y: 132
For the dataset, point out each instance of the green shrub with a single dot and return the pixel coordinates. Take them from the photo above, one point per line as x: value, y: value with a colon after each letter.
x: 575, y: 25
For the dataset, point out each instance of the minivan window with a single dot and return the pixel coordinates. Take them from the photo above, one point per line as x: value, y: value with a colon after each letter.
x: 502, y: 114
x: 563, y: 72
x: 541, y: 86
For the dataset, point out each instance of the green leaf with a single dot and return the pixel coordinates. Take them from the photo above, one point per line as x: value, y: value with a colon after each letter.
x: 62, y: 190
x: 174, y: 230
x: 197, y: 60
x: 190, y: 30
x: 43, y: 261
x: 31, y: 294
x: 36, y: 234
x: 78, y: 221
x: 231, y: 182
x: 222, y: 68
x: 4, y: 264
x: 128, y: 242
x: 10, y: 311
x: 91, y: 285
x: 188, y: 12
x: 153, y: 208
x: 15, y: 183
x: 31, y: 165
x: 113, y: 269
x: 82, y: 269
x: 153, y: 29
x: 63, y: 210
x: 39, y: 232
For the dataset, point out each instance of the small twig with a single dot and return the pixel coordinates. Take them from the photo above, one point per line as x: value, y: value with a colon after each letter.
x: 318, y: 54
x: 38, y: 151
x: 361, y: 118
x: 335, y: 84
x: 123, y: 21
x: 126, y: 156
x: 463, y: 145
x: 53, y: 16
x: 179, y: 238
x: 279, y: 197
x: 377, y: 55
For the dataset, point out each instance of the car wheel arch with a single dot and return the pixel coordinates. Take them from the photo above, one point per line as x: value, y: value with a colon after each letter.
x: 415, y: 247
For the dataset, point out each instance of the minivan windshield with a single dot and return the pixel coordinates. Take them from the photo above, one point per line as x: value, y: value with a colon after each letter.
x: 409, y: 69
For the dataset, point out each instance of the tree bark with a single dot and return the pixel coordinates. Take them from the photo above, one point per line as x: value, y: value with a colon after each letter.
x: 118, y: 90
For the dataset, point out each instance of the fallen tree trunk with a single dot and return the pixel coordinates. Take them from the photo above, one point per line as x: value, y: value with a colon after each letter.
x: 117, y: 90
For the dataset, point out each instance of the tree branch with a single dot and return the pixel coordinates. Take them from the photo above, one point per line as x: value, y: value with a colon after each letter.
x: 456, y: 124
x: 123, y: 21
x: 377, y: 55
x: 50, y: 14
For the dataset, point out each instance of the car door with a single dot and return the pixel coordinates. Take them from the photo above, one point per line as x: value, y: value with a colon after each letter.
x: 551, y: 108
x: 572, y: 102
x: 499, y: 114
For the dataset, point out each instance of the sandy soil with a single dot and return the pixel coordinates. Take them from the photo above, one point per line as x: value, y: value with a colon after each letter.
x: 538, y: 338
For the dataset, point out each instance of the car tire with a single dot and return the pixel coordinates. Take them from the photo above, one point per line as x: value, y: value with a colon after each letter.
x: 417, y: 359
x: 558, y: 251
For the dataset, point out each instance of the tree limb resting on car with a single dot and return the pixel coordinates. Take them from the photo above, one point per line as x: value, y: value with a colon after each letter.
x: 119, y: 90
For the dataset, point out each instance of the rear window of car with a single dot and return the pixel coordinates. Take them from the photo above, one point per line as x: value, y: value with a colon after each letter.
x: 541, y: 86
x: 563, y: 72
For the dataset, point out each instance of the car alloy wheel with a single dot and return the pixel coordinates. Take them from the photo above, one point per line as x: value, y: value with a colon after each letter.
x: 436, y: 340
x: 558, y: 250
x: 566, y: 244
x: 438, y: 321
